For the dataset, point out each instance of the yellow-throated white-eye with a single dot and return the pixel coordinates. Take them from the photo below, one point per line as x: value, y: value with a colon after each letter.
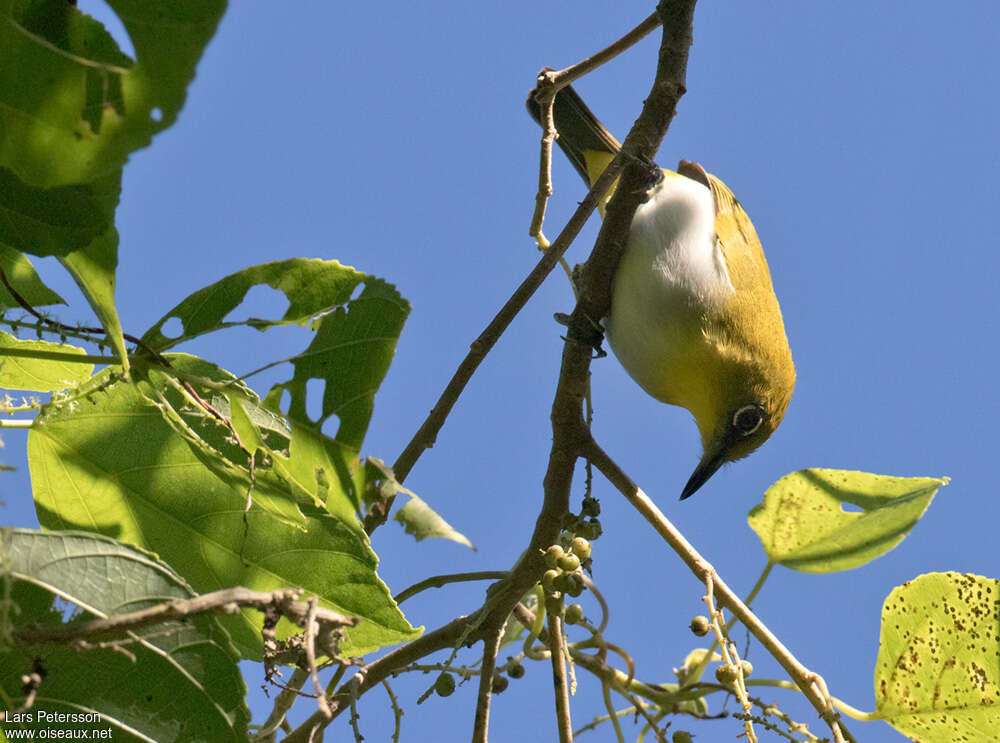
x: 694, y: 319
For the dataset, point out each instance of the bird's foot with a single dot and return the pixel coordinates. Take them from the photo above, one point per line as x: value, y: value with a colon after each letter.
x: 591, y: 335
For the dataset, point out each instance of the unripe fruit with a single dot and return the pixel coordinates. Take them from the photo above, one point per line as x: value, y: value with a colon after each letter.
x: 700, y: 626
x: 552, y: 555
x: 580, y: 547
x: 568, y: 562
x: 516, y: 671
x: 681, y: 736
x: 549, y: 580
x: 444, y: 685
x: 576, y: 584
x: 499, y: 684
x: 725, y: 674
x: 746, y: 667
x: 574, y: 613
x: 564, y: 582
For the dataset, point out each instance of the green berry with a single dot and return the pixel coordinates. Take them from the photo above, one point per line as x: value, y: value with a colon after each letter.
x: 591, y: 507
x: 580, y: 547
x: 576, y: 584
x: 681, y: 736
x: 725, y: 674
x: 516, y: 671
x: 549, y: 580
x: 574, y: 613
x: 552, y: 555
x: 746, y: 667
x: 563, y: 583
x: 569, y: 562
x: 444, y: 685
x: 700, y: 626
x: 499, y: 684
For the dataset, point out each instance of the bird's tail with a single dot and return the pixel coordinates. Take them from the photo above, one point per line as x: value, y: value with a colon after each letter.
x: 584, y: 139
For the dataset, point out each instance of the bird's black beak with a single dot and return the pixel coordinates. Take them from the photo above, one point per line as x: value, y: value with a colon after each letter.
x: 705, y: 469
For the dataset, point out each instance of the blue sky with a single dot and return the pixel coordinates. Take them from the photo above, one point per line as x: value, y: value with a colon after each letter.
x: 861, y: 138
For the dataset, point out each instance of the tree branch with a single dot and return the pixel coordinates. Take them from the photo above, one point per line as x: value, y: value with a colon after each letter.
x: 570, y: 432
x: 491, y: 646
x: 807, y: 681
x: 226, y: 601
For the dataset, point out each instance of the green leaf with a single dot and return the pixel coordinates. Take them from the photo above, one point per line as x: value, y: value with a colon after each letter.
x: 144, y: 465
x: 73, y: 223
x: 22, y: 276
x: 803, y: 525
x: 351, y: 353
x: 184, y: 684
x: 39, y: 375
x: 354, y: 343
x: 49, y: 221
x: 312, y: 287
x: 937, y: 679
x: 93, y: 268
x: 72, y: 105
x: 418, y: 518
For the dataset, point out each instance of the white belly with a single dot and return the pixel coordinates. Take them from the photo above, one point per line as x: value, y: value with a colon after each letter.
x: 672, y: 272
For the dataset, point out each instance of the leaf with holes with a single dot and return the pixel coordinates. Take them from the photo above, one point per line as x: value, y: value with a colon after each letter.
x: 356, y: 334
x: 311, y: 286
x: 803, y: 525
x: 25, y: 372
x: 184, y: 684
x: 937, y: 679
x: 145, y: 465
x: 63, y: 74
x: 350, y: 353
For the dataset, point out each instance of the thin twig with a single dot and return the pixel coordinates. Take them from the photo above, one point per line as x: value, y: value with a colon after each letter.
x: 425, y: 436
x: 699, y: 667
x: 282, y: 703
x: 730, y: 658
x: 804, y: 679
x: 612, y: 715
x: 311, y: 630
x: 549, y: 135
x: 437, y: 581
x: 570, y: 434
x: 548, y: 84
x: 491, y: 646
x: 557, y: 649
x: 226, y: 601
x: 397, y: 712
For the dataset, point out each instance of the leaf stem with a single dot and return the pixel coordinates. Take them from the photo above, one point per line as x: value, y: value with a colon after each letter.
x: 66, y: 356
x: 17, y: 423
x: 840, y: 704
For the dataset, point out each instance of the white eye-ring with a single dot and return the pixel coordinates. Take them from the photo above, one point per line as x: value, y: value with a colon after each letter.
x: 747, y: 419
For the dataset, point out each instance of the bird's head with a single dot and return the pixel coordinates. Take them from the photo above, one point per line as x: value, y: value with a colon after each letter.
x: 744, y: 407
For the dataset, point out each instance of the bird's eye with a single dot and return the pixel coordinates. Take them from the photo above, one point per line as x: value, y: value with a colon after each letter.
x: 747, y: 419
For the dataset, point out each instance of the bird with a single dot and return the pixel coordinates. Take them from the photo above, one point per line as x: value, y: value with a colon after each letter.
x: 694, y: 319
